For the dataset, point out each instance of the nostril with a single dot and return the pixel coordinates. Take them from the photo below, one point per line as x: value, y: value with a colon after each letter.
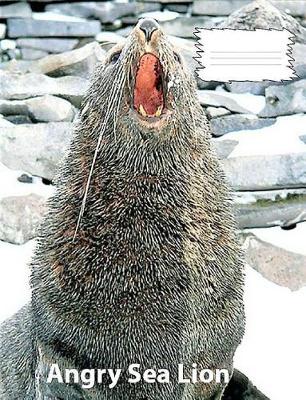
x: 148, y: 26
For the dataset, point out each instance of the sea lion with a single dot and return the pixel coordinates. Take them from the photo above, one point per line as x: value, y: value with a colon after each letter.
x: 137, y: 259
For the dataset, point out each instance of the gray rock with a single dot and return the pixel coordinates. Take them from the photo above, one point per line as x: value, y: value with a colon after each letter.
x: 270, y: 208
x: 36, y: 28
x: 251, y: 173
x: 276, y: 264
x: 43, y: 109
x: 2, y: 31
x: 80, y: 62
x: 147, y: 7
x: 129, y: 20
x: 16, y: 66
x: 32, y: 54
x: 185, y: 26
x: 48, y: 45
x: 285, y: 99
x: 180, y: 8
x: 233, y: 123
x: 212, y: 7
x: 36, y: 148
x: 107, y: 11
x: 292, y: 7
x: 257, y: 88
x: 224, y: 99
x: 303, y: 138
x: 261, y: 14
x: 108, y: 39
x: 214, y: 112
x: 20, y: 216
x: 224, y: 148
x: 15, y: 86
x: 16, y: 10
x: 19, y: 119
x: 24, y: 178
x: 83, y: 9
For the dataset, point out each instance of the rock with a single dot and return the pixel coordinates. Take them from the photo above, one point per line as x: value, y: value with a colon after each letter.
x: 43, y: 109
x: 233, y: 123
x: 261, y: 14
x: 224, y: 148
x: 303, y: 138
x: 270, y: 208
x: 48, y: 45
x: 180, y: 8
x: 107, y: 11
x: 24, y: 178
x: 147, y: 7
x: 292, y: 7
x: 15, y: 10
x: 185, y: 26
x: 212, y: 7
x: 129, y: 20
x: 35, y: 28
x: 15, y: 86
x: 83, y: 9
x: 80, y: 62
x: 285, y: 99
x: 20, y: 216
x: 108, y: 39
x: 278, y: 265
x: 36, y: 148
x: 19, y: 119
x: 214, y: 112
x: 245, y: 104
x: 16, y: 66
x: 257, y: 88
x: 32, y: 54
x: 251, y: 173
x: 2, y: 31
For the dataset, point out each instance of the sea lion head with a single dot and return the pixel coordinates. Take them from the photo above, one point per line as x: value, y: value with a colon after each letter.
x: 146, y: 84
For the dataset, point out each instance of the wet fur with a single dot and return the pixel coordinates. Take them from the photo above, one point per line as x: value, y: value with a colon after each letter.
x: 137, y: 259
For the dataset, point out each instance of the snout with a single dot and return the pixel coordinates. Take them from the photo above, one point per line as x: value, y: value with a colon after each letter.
x: 147, y: 30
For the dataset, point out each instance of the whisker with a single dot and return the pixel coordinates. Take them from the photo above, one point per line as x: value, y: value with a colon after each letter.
x: 118, y: 82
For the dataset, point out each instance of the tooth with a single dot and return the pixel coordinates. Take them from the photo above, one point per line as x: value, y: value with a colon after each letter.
x: 142, y: 111
x: 159, y: 111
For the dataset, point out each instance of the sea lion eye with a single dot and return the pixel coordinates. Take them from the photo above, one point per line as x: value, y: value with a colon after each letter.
x: 115, y: 57
x: 177, y: 58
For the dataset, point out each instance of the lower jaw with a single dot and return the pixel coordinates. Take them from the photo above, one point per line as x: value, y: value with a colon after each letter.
x: 151, y: 121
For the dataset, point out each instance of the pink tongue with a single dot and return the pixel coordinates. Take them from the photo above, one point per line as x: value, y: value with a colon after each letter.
x: 148, y: 91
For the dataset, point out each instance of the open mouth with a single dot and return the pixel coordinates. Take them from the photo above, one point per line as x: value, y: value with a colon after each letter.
x: 148, y: 96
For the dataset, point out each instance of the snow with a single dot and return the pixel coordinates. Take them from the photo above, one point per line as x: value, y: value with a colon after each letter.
x: 10, y: 186
x: 279, y: 138
x: 14, y: 282
x: 291, y: 240
x: 273, y: 350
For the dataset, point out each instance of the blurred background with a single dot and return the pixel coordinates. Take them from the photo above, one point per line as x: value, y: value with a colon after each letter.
x: 48, y: 49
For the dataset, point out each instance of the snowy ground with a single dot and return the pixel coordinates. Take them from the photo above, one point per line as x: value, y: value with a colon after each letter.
x: 279, y: 138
